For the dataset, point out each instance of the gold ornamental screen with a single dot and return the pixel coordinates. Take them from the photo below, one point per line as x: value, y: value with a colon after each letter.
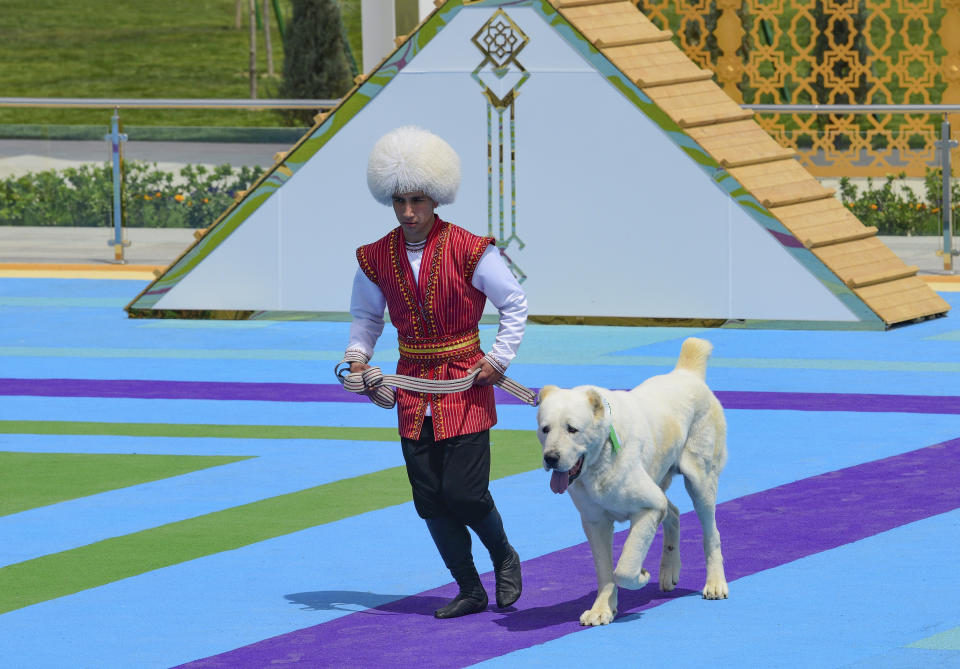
x: 830, y: 52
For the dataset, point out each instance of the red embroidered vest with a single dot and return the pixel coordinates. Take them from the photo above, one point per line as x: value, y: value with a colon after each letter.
x: 437, y: 322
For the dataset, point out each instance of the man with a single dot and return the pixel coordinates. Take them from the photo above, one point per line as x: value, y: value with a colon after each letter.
x: 434, y: 277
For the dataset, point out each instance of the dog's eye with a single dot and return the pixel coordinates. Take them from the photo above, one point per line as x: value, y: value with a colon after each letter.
x: 571, y: 429
x: 545, y: 429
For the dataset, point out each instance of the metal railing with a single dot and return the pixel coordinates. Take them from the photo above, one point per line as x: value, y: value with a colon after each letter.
x: 117, y: 138
x: 943, y: 147
x: 172, y: 103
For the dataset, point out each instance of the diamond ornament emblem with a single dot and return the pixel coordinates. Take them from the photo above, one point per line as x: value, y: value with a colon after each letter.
x: 500, y: 40
x: 500, y: 76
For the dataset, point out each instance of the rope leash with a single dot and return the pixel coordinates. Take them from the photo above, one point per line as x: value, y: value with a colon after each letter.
x: 380, y: 387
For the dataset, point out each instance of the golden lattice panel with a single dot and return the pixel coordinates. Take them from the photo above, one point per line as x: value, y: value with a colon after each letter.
x: 830, y: 52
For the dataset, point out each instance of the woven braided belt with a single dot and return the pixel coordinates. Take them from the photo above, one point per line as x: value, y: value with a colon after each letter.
x: 440, y: 349
x: 379, y: 387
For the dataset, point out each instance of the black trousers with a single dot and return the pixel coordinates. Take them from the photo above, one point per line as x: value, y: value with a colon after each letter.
x: 450, y: 477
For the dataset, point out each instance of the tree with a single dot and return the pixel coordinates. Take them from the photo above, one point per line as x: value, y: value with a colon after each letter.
x: 315, y: 64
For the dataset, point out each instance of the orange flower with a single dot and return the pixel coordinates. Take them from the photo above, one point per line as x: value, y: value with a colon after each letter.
x: 158, y: 194
x: 178, y: 197
x: 873, y: 206
x: 146, y: 197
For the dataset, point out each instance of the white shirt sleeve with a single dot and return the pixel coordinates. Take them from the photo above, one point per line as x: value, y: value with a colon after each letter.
x: 367, y: 305
x: 493, y: 278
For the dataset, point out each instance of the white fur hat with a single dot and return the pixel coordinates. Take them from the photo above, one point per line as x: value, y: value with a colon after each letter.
x: 410, y: 159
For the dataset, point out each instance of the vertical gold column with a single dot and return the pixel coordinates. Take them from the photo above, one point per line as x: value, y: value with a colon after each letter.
x: 950, y: 65
x: 730, y: 34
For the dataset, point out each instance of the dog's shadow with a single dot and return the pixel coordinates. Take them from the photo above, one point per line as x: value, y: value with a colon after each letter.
x: 366, y: 602
x: 631, y: 605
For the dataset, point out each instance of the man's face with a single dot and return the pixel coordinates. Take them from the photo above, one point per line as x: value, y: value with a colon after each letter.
x: 415, y: 213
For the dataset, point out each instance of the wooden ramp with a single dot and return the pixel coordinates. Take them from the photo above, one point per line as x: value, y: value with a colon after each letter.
x: 770, y: 172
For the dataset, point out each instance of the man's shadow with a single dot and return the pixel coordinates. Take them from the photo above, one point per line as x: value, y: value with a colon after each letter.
x: 366, y: 602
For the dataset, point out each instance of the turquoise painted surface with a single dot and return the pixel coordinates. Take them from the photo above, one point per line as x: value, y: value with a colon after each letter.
x: 824, y: 611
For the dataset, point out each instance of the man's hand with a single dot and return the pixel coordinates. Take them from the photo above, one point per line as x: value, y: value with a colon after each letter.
x: 488, y: 373
x: 357, y: 367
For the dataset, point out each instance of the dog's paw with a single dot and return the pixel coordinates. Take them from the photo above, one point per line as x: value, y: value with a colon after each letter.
x: 669, y: 572
x: 716, y: 589
x: 631, y: 581
x: 669, y: 577
x: 597, y: 616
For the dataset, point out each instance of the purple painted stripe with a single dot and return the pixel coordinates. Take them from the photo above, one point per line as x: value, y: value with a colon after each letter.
x: 861, y: 402
x: 323, y: 392
x: 759, y: 532
x: 787, y: 239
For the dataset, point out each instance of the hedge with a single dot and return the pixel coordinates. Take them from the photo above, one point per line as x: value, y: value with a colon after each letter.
x: 83, y: 196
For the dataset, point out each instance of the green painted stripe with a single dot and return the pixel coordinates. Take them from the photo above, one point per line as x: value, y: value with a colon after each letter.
x: 60, y: 574
x: 31, y: 480
x: 199, y: 430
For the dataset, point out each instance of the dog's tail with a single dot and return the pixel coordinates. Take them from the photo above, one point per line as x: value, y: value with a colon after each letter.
x: 693, y: 356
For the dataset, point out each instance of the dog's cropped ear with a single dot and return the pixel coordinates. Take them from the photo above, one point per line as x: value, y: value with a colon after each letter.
x: 546, y: 390
x: 596, y: 403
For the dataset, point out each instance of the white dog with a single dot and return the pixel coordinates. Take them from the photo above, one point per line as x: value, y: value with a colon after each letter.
x: 618, y: 452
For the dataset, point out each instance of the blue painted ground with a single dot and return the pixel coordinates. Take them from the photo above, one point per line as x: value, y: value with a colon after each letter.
x: 886, y: 601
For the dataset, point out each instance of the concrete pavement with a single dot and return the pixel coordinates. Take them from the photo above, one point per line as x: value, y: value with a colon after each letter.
x: 922, y: 252
x: 157, y: 247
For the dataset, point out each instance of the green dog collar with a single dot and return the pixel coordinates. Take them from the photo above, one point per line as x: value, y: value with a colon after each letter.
x: 614, y: 440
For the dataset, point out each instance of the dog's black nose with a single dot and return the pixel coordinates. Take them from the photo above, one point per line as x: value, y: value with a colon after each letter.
x: 551, y: 460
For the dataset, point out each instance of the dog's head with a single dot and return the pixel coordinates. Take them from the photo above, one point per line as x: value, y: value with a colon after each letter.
x: 570, y: 424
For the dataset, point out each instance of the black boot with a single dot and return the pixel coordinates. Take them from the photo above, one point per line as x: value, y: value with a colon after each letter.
x: 472, y: 598
x: 506, y: 561
x: 453, y: 542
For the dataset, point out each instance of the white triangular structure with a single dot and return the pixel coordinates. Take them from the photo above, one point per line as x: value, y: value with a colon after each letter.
x: 603, y: 203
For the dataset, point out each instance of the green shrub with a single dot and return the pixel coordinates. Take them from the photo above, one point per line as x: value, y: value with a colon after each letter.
x: 315, y: 64
x: 895, y: 209
x: 152, y: 198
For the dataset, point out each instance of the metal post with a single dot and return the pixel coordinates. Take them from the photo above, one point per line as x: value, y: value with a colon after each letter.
x: 115, y: 137
x: 945, y: 145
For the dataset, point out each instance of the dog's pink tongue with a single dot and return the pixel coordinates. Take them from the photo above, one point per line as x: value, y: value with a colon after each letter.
x: 559, y: 482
